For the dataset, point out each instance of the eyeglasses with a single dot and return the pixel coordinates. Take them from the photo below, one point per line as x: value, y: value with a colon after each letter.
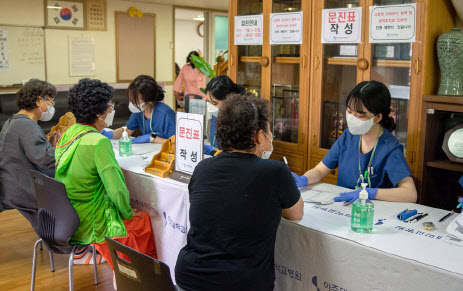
x: 111, y: 106
x: 51, y: 101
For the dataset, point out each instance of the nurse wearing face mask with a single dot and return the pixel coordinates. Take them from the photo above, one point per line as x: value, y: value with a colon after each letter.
x: 155, y: 119
x: 24, y: 147
x: 367, y: 145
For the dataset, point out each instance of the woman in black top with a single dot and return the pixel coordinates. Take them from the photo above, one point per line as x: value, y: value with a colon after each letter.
x: 236, y: 202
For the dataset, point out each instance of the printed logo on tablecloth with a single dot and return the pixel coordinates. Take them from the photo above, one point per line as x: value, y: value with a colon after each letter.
x: 329, y: 286
x: 380, y: 222
x: 174, y: 225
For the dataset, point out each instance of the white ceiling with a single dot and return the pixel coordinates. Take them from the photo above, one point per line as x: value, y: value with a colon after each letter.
x: 211, y: 4
x: 184, y: 14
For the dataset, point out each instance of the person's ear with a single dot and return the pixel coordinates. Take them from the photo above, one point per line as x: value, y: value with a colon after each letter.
x: 378, y: 118
x: 39, y: 100
x: 260, y: 137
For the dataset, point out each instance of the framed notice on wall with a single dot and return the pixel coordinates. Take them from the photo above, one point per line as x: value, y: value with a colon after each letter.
x: 65, y: 14
x: 96, y: 15
x: 393, y: 23
x: 81, y: 56
x: 342, y: 25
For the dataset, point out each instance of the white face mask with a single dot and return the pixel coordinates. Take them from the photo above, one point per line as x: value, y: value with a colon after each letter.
x: 357, y: 126
x: 109, y: 118
x: 48, y: 115
x: 266, y: 154
x: 135, y: 109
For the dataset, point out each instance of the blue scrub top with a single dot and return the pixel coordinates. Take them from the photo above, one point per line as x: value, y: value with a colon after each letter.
x: 389, y: 164
x: 162, y: 121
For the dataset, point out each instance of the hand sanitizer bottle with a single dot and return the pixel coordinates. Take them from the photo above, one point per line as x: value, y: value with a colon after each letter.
x: 362, y: 213
x: 125, y: 144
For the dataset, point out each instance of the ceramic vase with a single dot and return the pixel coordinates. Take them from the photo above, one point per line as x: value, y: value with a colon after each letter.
x: 450, y: 54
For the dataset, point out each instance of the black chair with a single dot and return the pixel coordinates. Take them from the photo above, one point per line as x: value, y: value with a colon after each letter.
x: 142, y: 273
x: 58, y: 220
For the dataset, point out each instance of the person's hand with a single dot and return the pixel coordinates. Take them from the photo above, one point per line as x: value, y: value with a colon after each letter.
x: 142, y: 139
x: 108, y: 133
x: 301, y: 181
x: 54, y: 138
x: 135, y: 213
x: 208, y: 149
x: 354, y: 195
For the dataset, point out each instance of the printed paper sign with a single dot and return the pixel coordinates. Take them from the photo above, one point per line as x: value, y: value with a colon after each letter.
x: 286, y: 28
x: 393, y: 23
x: 4, y: 56
x: 81, y: 56
x: 188, y: 141
x: 249, y: 29
x: 342, y: 25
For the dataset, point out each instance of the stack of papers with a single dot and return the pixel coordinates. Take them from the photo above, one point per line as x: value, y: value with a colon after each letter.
x: 455, y: 228
x: 315, y: 196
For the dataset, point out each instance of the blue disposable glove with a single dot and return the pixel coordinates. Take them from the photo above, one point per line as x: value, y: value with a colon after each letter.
x: 460, y: 200
x: 354, y: 195
x: 142, y: 139
x: 301, y: 181
x: 108, y: 133
x: 208, y: 149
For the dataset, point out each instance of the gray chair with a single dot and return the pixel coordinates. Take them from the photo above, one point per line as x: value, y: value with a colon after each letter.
x: 142, y: 273
x: 58, y: 220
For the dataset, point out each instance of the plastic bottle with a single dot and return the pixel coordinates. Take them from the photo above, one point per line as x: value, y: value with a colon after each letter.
x: 362, y: 213
x: 125, y: 144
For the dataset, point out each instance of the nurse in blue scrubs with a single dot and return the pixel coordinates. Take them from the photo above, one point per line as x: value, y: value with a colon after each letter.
x: 367, y: 145
x: 155, y: 119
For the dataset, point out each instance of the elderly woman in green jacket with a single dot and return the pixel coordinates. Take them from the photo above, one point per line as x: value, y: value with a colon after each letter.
x: 86, y: 164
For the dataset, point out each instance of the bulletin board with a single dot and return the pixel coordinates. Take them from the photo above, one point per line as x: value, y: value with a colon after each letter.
x: 135, y: 46
x: 22, y: 51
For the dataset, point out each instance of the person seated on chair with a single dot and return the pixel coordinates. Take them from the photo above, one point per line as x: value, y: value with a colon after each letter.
x: 217, y: 91
x: 155, y: 119
x: 87, y: 166
x: 368, y: 145
x: 234, y: 216
x: 24, y: 147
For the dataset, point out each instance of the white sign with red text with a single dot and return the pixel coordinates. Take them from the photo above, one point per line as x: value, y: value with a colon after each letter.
x: 286, y: 28
x: 393, y: 23
x: 342, y: 25
x: 249, y: 30
x: 188, y: 141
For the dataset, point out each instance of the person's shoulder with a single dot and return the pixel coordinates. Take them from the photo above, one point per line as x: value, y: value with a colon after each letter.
x: 22, y: 120
x: 390, y: 141
x: 161, y: 106
x: 186, y: 67
x: 270, y: 166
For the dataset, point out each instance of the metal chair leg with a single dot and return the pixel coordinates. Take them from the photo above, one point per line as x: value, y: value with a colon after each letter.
x: 52, y: 261
x: 71, y: 262
x: 95, y: 270
x: 34, y: 264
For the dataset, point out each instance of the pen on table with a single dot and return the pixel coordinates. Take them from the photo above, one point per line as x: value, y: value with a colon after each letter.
x: 446, y: 216
x: 366, y: 175
x: 416, y: 219
x: 286, y: 162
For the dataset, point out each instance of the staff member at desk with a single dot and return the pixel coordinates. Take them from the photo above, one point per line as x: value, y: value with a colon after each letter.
x: 155, y: 119
x: 367, y: 146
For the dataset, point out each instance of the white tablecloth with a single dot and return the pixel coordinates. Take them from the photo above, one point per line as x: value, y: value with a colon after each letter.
x: 320, y: 251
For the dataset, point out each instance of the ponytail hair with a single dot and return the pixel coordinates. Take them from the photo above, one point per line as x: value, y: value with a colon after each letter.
x: 376, y: 98
x: 221, y: 86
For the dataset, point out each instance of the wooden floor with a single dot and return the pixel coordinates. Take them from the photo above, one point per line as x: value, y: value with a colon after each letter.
x: 17, y: 240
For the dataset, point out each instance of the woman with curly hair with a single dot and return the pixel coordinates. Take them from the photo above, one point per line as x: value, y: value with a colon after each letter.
x: 234, y: 216
x: 86, y: 165
x: 155, y: 119
x: 24, y: 147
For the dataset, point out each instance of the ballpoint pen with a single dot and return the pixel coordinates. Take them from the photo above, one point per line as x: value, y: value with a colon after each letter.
x: 446, y: 216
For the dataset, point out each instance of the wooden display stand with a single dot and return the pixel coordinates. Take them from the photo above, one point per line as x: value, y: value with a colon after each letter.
x: 438, y: 177
x: 162, y: 164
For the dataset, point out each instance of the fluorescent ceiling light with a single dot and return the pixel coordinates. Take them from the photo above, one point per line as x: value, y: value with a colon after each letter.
x: 199, y: 18
x: 54, y: 7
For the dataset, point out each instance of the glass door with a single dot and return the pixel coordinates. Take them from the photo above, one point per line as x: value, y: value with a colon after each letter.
x: 391, y: 64
x: 339, y: 77
x: 285, y: 78
x: 249, y: 69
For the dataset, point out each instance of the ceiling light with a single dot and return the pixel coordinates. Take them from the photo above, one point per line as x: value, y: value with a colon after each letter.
x: 54, y: 7
x: 199, y: 18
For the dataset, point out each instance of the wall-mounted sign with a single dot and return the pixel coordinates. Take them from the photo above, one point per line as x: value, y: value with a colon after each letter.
x: 189, y: 142
x: 393, y: 23
x: 249, y: 30
x: 286, y: 28
x: 65, y: 14
x: 342, y: 25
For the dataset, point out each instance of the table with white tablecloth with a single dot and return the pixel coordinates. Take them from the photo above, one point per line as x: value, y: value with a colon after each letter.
x: 320, y: 252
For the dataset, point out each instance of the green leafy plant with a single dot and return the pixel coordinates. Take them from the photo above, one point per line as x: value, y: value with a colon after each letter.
x: 205, y: 68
